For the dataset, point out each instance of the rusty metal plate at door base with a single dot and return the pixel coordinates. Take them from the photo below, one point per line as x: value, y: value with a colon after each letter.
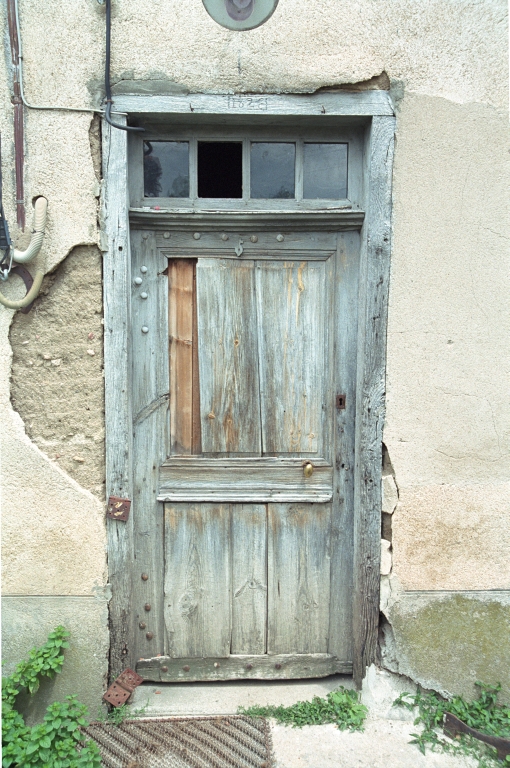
x: 118, y: 509
x: 122, y: 688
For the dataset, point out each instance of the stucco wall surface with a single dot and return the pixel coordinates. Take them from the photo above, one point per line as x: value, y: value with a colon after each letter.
x: 448, y: 416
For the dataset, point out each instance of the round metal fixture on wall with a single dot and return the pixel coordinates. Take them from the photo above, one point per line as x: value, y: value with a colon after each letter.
x: 240, y: 15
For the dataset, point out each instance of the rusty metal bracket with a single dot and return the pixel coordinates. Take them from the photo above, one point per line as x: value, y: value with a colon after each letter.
x: 118, y: 509
x: 122, y: 688
x: 452, y: 726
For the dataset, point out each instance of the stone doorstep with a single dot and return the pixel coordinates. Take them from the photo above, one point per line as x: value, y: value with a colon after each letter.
x: 224, y: 698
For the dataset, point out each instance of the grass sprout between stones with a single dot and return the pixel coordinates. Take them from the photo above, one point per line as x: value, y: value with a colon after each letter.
x: 341, y: 707
x: 484, y: 714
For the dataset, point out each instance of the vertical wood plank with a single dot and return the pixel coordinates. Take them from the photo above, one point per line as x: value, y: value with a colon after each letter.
x: 118, y: 408
x: 298, y: 577
x: 197, y: 580
x: 196, y: 437
x: 345, y: 357
x: 373, y: 299
x: 292, y: 355
x: 228, y: 357
x: 150, y: 439
x: 249, y: 578
x: 180, y: 328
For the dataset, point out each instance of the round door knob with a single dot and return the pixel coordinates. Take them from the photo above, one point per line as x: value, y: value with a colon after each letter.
x: 308, y: 469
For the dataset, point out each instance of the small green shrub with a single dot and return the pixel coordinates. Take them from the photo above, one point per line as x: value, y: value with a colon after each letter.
x: 340, y: 707
x: 484, y: 714
x: 57, y: 742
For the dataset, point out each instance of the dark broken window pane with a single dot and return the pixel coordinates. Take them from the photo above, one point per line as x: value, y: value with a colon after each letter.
x: 325, y: 171
x: 220, y: 169
x: 272, y: 170
x: 166, y: 168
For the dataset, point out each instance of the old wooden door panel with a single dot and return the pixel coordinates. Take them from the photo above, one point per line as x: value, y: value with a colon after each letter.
x: 197, y: 590
x: 228, y: 357
x: 257, y: 560
x: 293, y: 317
x: 298, y: 578
x: 248, y: 542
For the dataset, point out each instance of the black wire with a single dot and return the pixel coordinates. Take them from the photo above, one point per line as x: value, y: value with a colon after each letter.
x: 107, y: 86
x: 5, y: 239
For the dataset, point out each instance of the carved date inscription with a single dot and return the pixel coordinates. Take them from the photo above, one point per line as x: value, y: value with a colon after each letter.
x: 255, y: 103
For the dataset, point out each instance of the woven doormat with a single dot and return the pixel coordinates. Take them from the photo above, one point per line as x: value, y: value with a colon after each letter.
x: 196, y: 742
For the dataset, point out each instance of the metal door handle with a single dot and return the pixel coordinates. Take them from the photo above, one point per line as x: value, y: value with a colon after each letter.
x: 308, y: 469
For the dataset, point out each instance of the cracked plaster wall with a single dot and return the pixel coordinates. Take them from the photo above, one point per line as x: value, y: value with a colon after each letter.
x: 448, y: 418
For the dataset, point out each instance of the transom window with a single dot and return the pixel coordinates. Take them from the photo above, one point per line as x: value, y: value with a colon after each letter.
x: 250, y: 168
x: 275, y: 170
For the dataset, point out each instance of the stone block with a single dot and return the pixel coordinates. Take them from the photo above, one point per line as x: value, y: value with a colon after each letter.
x: 27, y: 622
x: 389, y: 494
x: 386, y: 559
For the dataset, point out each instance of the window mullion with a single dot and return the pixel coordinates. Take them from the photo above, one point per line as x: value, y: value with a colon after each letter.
x: 246, y: 169
x: 193, y: 169
x: 299, y: 169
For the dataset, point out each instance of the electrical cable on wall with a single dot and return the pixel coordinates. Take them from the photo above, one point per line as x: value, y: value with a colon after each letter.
x: 20, y: 76
x: 107, y: 85
x: 108, y: 93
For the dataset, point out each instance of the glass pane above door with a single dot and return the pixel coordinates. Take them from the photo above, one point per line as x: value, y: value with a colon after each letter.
x: 166, y: 168
x: 324, y: 171
x: 273, y: 170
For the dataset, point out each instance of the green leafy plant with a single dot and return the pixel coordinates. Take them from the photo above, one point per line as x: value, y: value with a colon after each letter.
x: 58, y: 741
x: 118, y: 715
x: 484, y: 714
x: 341, y: 707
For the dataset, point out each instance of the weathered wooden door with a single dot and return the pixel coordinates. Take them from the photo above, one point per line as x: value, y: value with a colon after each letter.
x: 244, y: 364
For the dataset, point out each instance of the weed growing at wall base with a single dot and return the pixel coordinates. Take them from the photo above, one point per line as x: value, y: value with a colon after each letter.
x: 483, y: 714
x: 57, y: 742
x: 340, y: 707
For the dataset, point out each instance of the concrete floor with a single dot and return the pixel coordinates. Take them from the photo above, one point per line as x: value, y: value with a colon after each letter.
x: 383, y: 744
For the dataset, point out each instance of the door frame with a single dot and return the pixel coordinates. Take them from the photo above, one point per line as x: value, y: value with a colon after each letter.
x: 375, y: 110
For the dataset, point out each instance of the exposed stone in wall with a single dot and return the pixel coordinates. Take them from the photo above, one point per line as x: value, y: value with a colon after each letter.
x: 95, y: 145
x: 57, y: 370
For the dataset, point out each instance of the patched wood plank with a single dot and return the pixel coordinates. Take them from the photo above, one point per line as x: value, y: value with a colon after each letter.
x: 298, y: 577
x: 345, y: 344
x: 180, y: 329
x: 242, y: 667
x: 150, y: 438
x: 197, y: 580
x: 249, y: 578
x: 228, y: 359
x: 292, y: 355
x: 244, y: 479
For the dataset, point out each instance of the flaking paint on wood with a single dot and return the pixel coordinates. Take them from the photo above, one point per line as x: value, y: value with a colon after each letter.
x: 248, y: 542
x: 150, y: 438
x: 197, y: 580
x: 298, y: 577
x: 118, y: 406
x: 370, y: 391
x: 292, y: 355
x: 242, y: 667
x: 228, y: 358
